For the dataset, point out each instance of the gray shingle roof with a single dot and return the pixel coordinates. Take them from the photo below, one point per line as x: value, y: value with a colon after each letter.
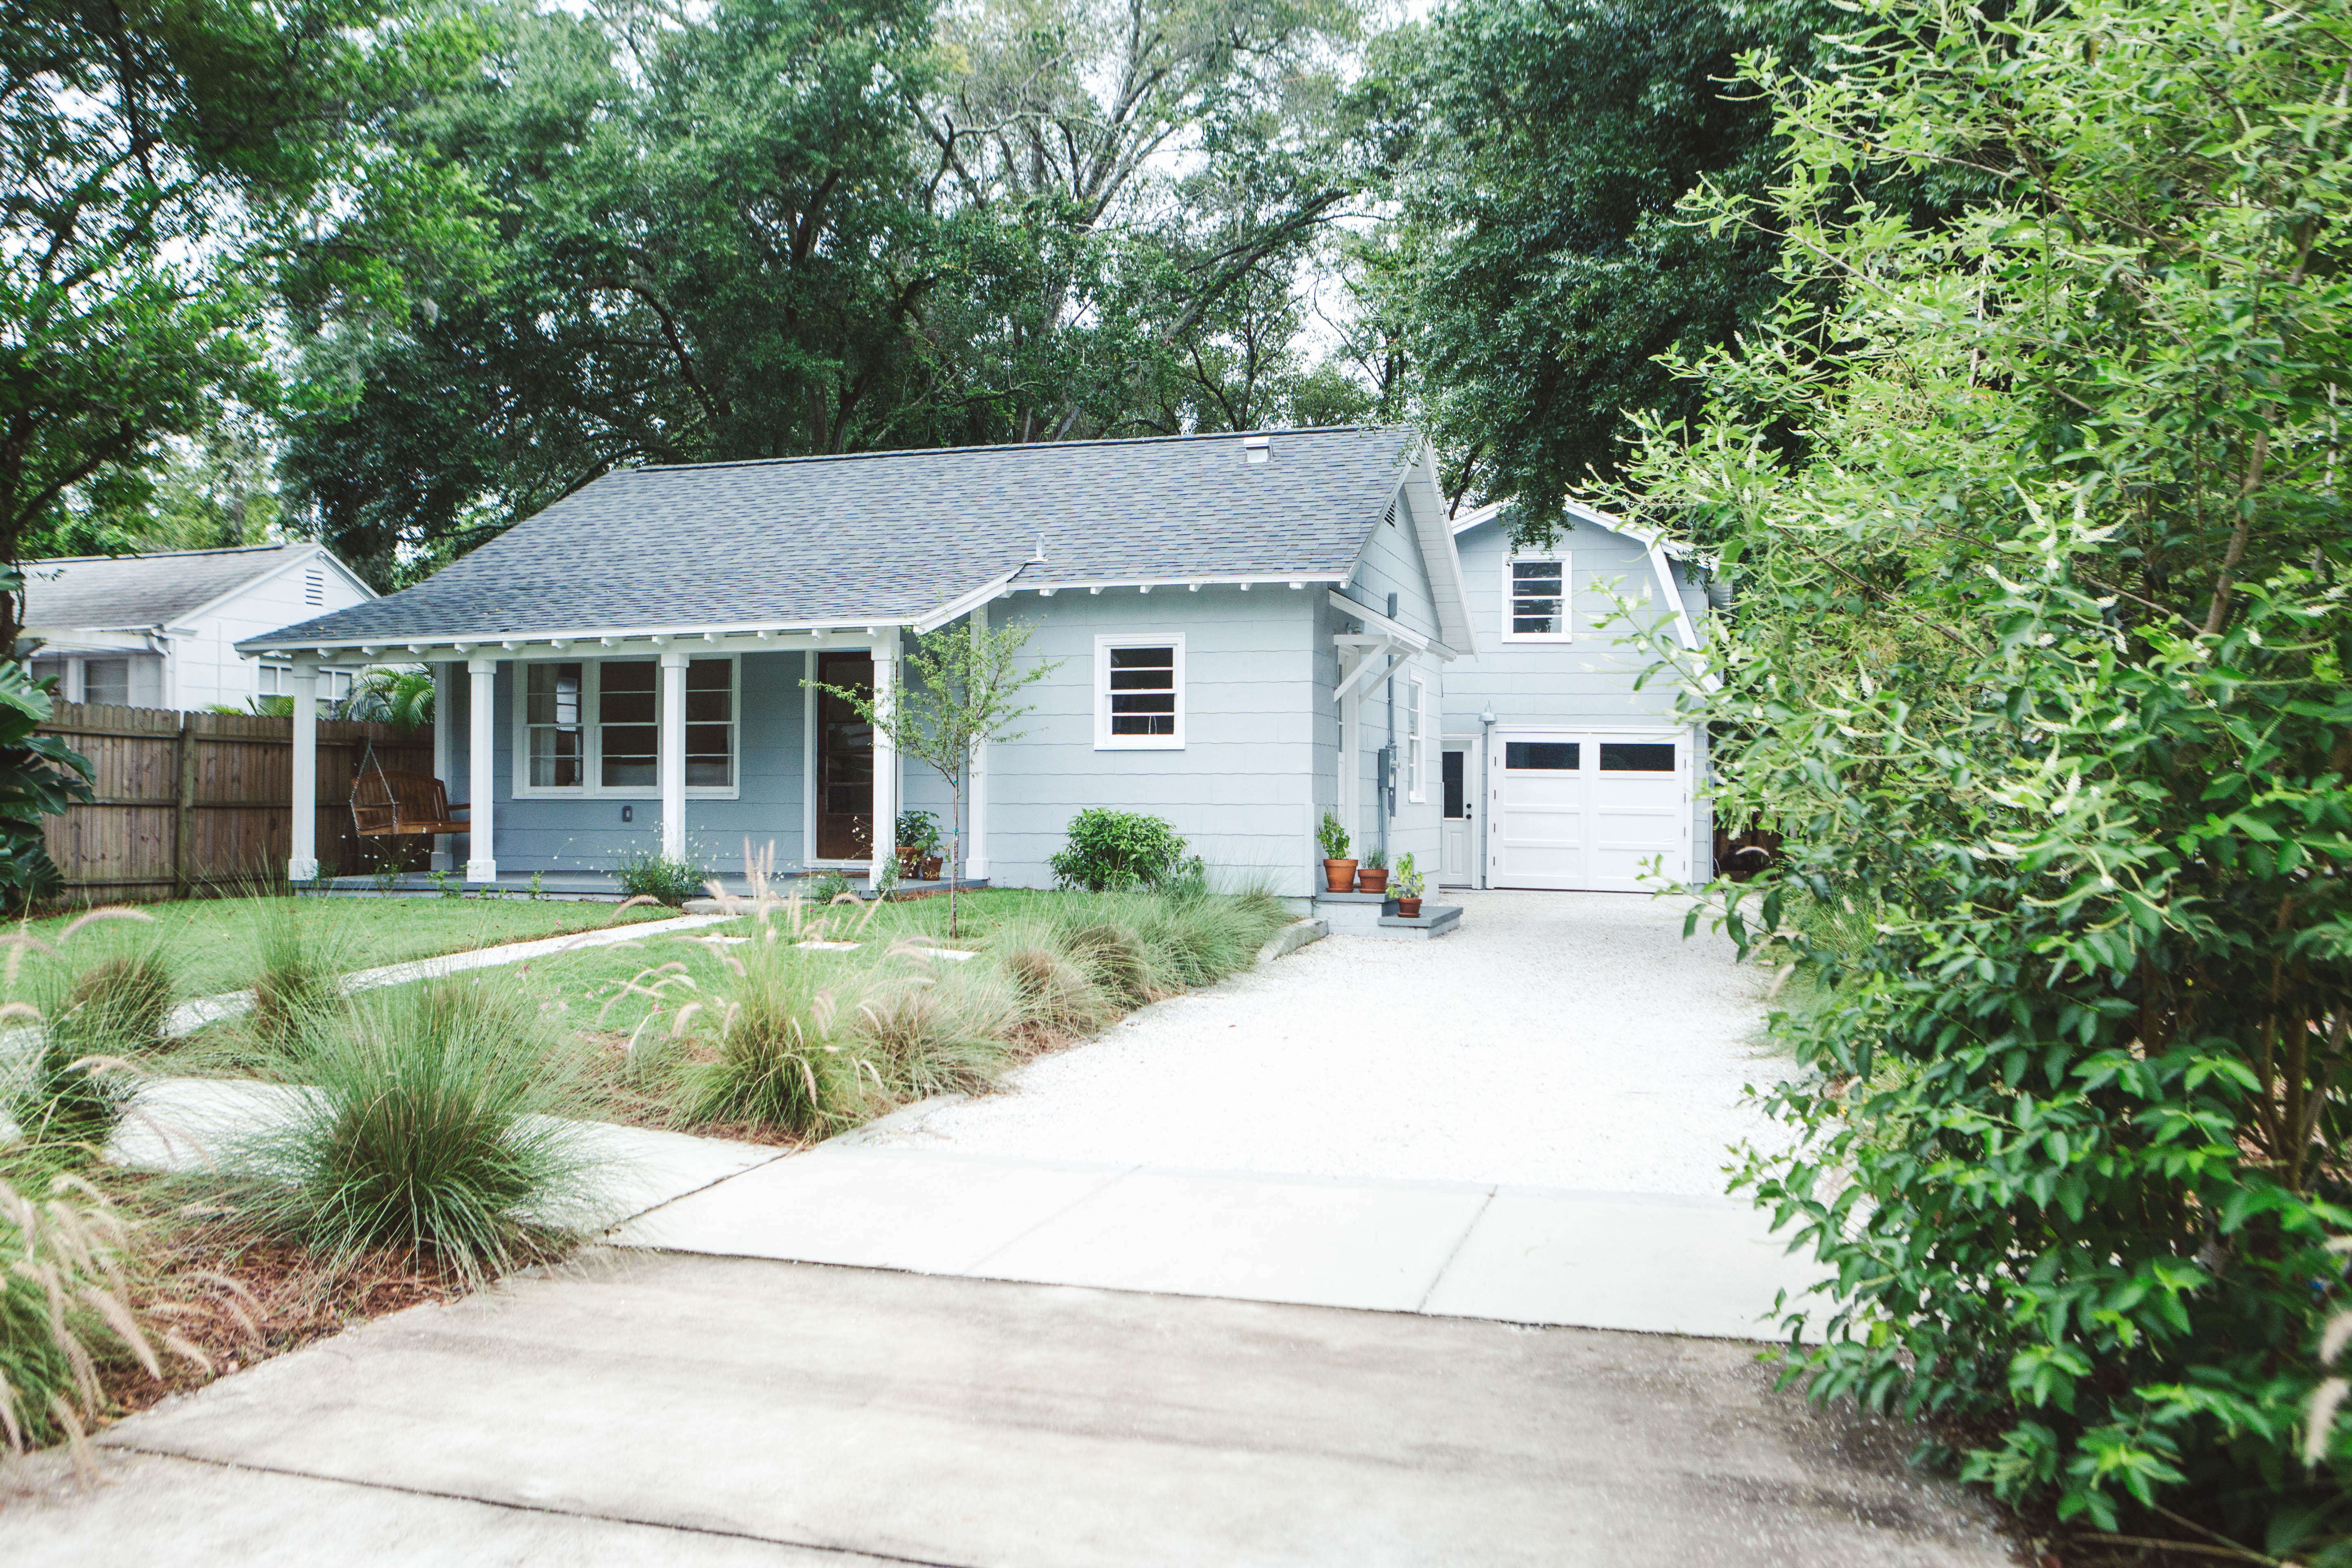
x: 893, y: 536
x: 135, y: 592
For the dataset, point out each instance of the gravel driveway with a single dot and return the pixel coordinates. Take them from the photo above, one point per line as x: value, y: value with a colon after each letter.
x: 1571, y: 1041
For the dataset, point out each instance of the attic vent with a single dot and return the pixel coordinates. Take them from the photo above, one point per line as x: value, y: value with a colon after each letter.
x: 1389, y: 515
x: 1258, y: 448
x: 314, y: 588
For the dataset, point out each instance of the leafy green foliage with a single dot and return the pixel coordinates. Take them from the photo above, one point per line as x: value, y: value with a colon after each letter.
x: 161, y: 162
x: 1332, y: 835
x: 2038, y: 662
x: 40, y: 776
x: 426, y: 1121
x: 919, y: 830
x: 769, y: 228
x: 648, y: 873
x: 1409, y: 882
x: 1535, y: 269
x: 1110, y: 851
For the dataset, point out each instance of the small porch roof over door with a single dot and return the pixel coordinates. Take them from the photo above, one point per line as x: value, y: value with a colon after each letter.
x: 731, y: 552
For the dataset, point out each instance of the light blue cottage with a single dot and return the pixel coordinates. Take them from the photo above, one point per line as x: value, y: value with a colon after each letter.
x: 1244, y: 631
x: 1562, y: 769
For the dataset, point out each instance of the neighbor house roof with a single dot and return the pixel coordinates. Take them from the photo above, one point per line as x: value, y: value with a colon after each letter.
x: 897, y: 537
x: 135, y: 593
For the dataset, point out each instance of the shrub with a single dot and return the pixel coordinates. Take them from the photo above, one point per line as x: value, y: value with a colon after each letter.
x: 919, y: 830
x: 429, y: 1121
x: 778, y: 1063
x: 1409, y: 883
x: 650, y: 874
x: 1111, y: 851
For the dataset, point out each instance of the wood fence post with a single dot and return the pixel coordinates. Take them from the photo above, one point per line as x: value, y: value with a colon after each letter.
x: 183, y: 805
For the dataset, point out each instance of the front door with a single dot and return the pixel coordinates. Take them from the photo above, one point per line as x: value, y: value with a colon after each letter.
x: 845, y: 761
x: 1457, y: 864
x: 1589, y: 810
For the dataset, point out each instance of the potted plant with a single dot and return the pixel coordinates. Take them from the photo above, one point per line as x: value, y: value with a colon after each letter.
x: 1410, y: 885
x: 918, y: 844
x: 1338, y: 871
x: 1372, y: 876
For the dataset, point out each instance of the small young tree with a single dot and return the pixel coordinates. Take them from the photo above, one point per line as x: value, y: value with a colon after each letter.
x: 962, y: 690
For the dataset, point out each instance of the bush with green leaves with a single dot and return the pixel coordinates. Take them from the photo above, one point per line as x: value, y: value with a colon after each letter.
x: 2045, y: 615
x: 430, y: 1117
x: 1112, y: 851
x: 919, y: 830
x: 40, y: 776
x: 645, y: 873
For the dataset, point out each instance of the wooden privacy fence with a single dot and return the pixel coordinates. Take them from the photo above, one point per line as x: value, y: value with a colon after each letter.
x: 191, y: 801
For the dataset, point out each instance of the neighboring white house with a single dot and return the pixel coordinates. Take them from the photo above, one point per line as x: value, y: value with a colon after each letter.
x: 161, y: 631
x: 1559, y: 771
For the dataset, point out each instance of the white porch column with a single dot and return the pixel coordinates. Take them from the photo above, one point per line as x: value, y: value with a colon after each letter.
x: 1351, y: 765
x: 482, y: 766
x: 669, y: 764
x: 975, y: 844
x: 886, y: 755
x: 444, y: 844
x: 302, y: 863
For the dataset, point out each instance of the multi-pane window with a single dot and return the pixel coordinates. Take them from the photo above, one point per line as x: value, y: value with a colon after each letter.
x: 106, y: 681
x: 710, y: 723
x: 1139, y: 693
x: 277, y: 679
x: 1537, y: 595
x: 628, y: 723
x: 558, y: 740
x: 1541, y: 756
x: 594, y: 726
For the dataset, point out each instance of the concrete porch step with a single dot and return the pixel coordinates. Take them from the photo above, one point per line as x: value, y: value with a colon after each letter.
x: 1435, y: 921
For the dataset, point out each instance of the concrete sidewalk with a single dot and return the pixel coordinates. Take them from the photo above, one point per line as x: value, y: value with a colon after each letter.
x: 648, y: 1409
x: 1658, y: 1263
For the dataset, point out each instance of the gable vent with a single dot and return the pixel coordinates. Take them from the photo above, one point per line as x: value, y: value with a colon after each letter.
x: 1258, y: 448
x: 1389, y: 515
x: 314, y: 588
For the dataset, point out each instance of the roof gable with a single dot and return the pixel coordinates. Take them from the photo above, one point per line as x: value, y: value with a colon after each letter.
x: 891, y: 538
x: 132, y: 593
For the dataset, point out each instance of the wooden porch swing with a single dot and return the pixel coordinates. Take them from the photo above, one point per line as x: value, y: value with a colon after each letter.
x: 387, y: 803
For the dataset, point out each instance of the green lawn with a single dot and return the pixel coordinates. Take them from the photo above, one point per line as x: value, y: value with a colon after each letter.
x: 209, y: 942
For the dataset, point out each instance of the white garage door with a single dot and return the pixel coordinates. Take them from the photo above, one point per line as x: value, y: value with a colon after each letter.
x: 1586, y: 809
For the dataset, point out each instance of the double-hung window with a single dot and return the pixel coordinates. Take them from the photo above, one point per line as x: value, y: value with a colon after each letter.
x: 1139, y: 693
x: 1535, y: 598
x: 594, y: 727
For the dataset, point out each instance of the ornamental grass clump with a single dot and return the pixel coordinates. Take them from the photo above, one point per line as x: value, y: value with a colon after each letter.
x: 300, y: 955
x: 1058, y: 995
x: 429, y: 1121
x: 66, y: 1309
x: 88, y: 1024
x: 780, y: 1060
x: 945, y: 1033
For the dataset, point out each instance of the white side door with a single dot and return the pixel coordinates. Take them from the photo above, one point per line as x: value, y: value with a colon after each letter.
x: 1587, y: 809
x: 1458, y: 831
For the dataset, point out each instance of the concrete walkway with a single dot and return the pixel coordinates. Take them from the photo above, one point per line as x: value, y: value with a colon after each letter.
x: 644, y: 1408
x: 1528, y: 1121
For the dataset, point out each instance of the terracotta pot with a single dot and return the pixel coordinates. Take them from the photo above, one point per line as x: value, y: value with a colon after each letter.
x: 1369, y: 880
x: 1339, y: 876
x: 930, y: 867
x: 1408, y: 908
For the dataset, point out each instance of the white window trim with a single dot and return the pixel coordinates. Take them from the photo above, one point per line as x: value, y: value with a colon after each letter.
x: 1107, y: 742
x: 593, y: 758
x: 1416, y: 745
x: 1567, y: 596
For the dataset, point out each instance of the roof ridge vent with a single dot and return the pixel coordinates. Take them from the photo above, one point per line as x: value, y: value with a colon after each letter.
x: 1258, y: 448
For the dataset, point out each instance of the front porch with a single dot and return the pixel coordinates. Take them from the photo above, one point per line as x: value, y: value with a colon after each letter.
x: 602, y: 886
x: 559, y: 769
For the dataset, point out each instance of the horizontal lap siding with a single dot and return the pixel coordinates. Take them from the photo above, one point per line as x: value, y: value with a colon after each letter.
x: 586, y: 833
x: 1241, y: 791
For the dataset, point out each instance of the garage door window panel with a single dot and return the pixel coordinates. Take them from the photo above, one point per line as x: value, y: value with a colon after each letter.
x: 1543, y: 756
x: 1637, y: 757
